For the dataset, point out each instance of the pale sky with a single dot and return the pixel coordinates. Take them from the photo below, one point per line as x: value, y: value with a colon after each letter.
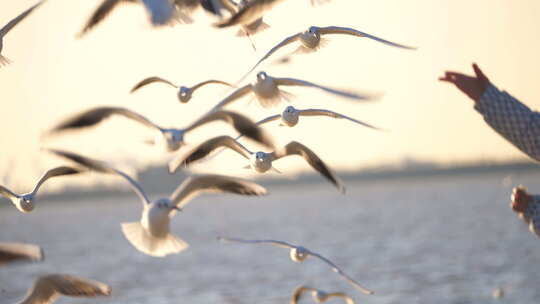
x: 54, y: 74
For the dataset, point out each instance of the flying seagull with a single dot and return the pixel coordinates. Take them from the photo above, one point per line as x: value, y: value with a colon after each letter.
x: 152, y: 234
x: 311, y: 40
x: 319, y: 296
x: 249, y: 12
x: 259, y: 161
x: 184, y: 93
x: 170, y: 138
x: 26, y: 202
x: 267, y: 90
x: 299, y: 254
x: 9, y: 26
x: 48, y: 288
x: 12, y: 252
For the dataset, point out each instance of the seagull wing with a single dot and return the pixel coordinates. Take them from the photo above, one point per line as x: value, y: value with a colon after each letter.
x: 233, y: 96
x: 49, y: 287
x: 212, y: 183
x: 296, y: 148
x: 11, y: 24
x: 5, y: 192
x: 241, y: 123
x: 252, y: 11
x: 269, y: 119
x: 340, y: 272
x: 205, y: 149
x: 58, y: 171
x: 298, y: 292
x: 271, y: 242
x: 283, y: 43
x: 104, y: 9
x: 353, y: 32
x: 149, y: 80
x: 195, y: 87
x: 94, y: 116
x: 10, y: 252
x: 102, y: 167
x: 320, y: 112
x: 303, y: 83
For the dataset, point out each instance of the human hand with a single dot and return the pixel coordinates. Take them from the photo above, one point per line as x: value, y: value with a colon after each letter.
x: 471, y: 86
x: 520, y: 199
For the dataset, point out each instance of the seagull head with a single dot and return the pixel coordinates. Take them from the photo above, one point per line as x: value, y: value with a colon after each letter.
x: 319, y: 296
x: 261, y: 76
x: 311, y: 38
x: 298, y: 254
x: 289, y: 116
x: 261, y: 162
x: 167, y: 205
x: 25, y: 203
x: 184, y: 94
x: 174, y: 138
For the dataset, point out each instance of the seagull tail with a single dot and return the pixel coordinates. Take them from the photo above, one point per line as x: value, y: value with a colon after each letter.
x: 4, y: 61
x: 144, y: 242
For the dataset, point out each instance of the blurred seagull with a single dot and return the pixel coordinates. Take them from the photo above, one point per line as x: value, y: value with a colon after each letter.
x: 152, y: 234
x: 319, y: 296
x: 268, y: 92
x: 171, y: 139
x: 249, y: 12
x: 11, y: 252
x: 311, y: 40
x: 50, y: 287
x: 259, y: 161
x: 11, y: 25
x: 161, y: 12
x: 184, y: 93
x: 25, y: 202
x: 299, y: 254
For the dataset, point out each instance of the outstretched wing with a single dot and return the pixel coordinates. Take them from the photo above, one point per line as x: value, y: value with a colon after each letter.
x: 353, y: 32
x: 241, y: 123
x: 10, y: 252
x: 340, y: 272
x: 94, y: 116
x: 303, y: 83
x: 271, y: 242
x: 103, y: 10
x: 48, y: 287
x: 321, y: 112
x: 195, y: 87
x: 283, y: 43
x: 296, y: 148
x: 196, y: 185
x: 11, y: 24
x: 204, y: 149
x: 102, y: 167
x: 5, y: 192
x: 58, y: 171
x: 149, y: 80
x: 233, y: 96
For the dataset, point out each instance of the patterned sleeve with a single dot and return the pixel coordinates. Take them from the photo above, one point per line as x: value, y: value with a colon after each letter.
x: 532, y: 215
x: 512, y: 120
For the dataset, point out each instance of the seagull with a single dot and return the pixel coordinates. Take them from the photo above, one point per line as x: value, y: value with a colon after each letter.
x: 319, y: 296
x: 311, y: 40
x: 170, y: 138
x: 48, y: 288
x: 161, y: 12
x: 11, y: 25
x: 11, y: 252
x: 25, y: 202
x: 184, y: 93
x: 267, y: 90
x: 299, y: 254
x: 249, y: 12
x: 260, y: 161
x: 152, y: 234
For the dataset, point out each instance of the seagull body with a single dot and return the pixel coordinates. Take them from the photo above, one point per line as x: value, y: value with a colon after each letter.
x: 151, y: 235
x: 26, y: 202
x: 48, y: 288
x: 311, y: 40
x: 260, y: 162
x: 319, y: 296
x: 9, y: 26
x: 268, y: 92
x: 184, y: 93
x: 249, y: 12
x: 11, y: 252
x: 299, y: 254
x: 170, y: 138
